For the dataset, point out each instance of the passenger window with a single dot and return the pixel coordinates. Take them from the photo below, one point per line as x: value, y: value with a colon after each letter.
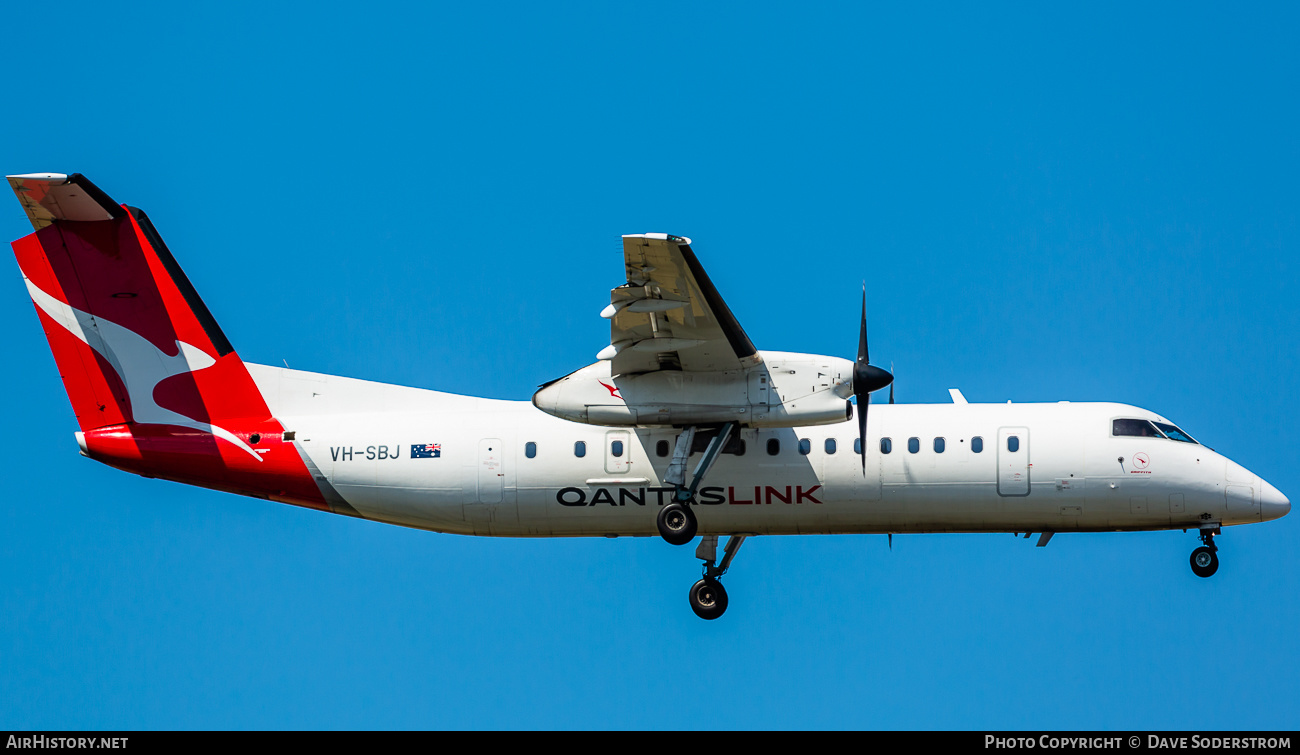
x: 661, y: 449
x: 830, y: 445
x: 857, y: 446
x: 938, y: 445
x: 886, y: 445
x: 616, y: 448
x: 977, y: 444
x: 805, y: 446
x: 1139, y: 428
x: 913, y: 445
x: 773, y: 446
x: 530, y: 450
x: 1013, y: 443
x: 580, y: 449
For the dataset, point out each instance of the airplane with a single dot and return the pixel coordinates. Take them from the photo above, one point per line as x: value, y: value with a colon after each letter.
x: 681, y: 428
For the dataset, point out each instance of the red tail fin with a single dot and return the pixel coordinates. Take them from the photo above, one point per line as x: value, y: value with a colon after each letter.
x: 155, y: 384
x: 133, y: 340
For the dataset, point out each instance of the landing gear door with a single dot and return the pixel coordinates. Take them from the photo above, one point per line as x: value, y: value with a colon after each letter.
x: 1013, y: 461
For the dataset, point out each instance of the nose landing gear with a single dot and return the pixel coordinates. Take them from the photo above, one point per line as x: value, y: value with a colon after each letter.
x: 1205, y: 559
x: 708, y: 598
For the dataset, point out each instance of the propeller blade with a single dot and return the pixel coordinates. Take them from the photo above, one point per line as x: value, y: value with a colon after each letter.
x: 862, y: 429
x: 867, y: 378
x: 862, y: 335
x: 891, y: 385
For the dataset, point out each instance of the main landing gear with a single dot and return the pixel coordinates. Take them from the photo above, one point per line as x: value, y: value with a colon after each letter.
x: 677, y: 524
x: 1205, y: 559
x: 676, y: 521
x: 708, y: 598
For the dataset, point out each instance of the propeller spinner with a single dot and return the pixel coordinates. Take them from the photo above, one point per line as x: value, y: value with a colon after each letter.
x: 866, y: 379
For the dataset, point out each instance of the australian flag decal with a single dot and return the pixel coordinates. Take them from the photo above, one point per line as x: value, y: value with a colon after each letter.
x: 426, y: 451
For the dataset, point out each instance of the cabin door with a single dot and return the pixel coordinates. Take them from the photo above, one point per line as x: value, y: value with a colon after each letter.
x: 491, y: 470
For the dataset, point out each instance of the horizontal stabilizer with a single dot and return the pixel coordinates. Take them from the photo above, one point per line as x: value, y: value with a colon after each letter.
x: 48, y: 197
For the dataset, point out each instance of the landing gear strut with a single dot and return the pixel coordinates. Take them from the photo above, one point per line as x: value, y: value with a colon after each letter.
x: 676, y: 521
x: 1205, y: 559
x: 708, y: 598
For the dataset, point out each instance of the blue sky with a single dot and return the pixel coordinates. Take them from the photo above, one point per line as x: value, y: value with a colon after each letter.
x: 1091, y: 203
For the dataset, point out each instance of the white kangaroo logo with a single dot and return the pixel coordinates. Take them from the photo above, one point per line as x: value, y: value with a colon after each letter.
x: 140, y: 364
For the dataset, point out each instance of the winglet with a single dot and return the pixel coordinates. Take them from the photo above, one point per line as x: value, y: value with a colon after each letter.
x: 957, y: 398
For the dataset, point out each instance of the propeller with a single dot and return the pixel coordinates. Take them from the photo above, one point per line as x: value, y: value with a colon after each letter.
x: 867, y: 378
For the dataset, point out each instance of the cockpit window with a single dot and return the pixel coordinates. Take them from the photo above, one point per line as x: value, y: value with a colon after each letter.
x: 1134, y: 428
x: 1173, y: 433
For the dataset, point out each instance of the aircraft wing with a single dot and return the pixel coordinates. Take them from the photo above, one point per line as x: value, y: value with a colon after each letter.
x: 669, y: 315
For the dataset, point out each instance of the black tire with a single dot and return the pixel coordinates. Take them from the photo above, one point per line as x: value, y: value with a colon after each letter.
x: 708, y: 599
x: 677, y: 524
x: 1205, y: 562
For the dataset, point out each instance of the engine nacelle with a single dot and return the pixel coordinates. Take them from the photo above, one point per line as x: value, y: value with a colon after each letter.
x: 784, y: 390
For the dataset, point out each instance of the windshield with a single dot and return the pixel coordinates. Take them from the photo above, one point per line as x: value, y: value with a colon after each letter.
x: 1141, y: 428
x: 1174, y: 433
x: 1138, y: 428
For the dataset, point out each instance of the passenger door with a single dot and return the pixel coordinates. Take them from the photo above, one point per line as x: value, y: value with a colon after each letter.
x: 491, y: 470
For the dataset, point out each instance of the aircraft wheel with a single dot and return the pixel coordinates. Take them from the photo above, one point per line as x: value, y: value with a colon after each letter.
x: 677, y: 524
x: 708, y: 599
x: 1205, y: 562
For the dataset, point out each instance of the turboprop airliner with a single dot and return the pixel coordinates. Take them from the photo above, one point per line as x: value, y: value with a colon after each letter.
x: 681, y: 428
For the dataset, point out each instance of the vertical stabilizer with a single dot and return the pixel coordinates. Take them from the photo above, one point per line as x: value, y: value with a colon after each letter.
x: 156, y: 387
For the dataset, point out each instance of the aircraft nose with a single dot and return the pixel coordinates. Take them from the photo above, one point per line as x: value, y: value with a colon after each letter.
x: 1272, y: 504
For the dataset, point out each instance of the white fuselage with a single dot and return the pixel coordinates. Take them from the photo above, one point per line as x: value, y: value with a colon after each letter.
x: 504, y: 468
